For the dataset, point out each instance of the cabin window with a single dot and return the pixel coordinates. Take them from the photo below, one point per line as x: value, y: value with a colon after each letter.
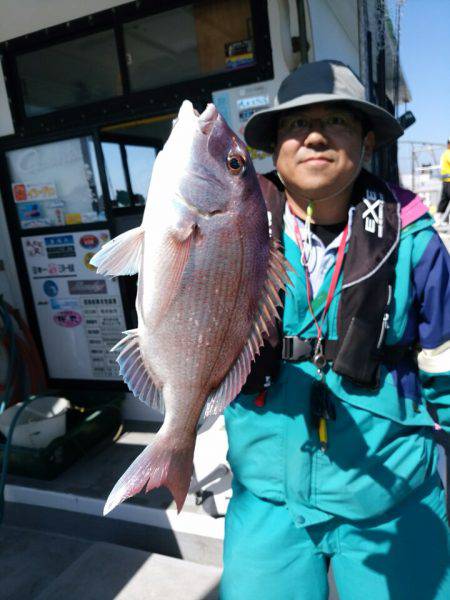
x: 115, y: 174
x: 72, y: 73
x: 131, y: 62
x: 128, y: 171
x: 190, y: 42
x: 140, y: 164
x: 56, y: 184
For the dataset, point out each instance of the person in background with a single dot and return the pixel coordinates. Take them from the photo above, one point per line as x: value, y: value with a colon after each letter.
x: 331, y: 442
x: 445, y: 175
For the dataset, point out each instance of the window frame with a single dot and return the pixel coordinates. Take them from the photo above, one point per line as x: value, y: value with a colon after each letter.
x: 129, y: 105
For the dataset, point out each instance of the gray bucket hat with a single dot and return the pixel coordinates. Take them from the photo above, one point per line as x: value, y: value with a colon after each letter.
x: 320, y: 82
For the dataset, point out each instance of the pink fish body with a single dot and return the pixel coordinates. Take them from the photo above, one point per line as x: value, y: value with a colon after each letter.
x: 208, y: 284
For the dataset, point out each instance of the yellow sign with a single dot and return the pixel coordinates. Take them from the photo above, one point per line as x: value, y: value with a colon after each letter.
x: 86, y: 259
x: 73, y: 218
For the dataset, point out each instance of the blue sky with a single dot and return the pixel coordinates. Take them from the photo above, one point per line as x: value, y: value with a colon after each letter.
x: 425, y: 59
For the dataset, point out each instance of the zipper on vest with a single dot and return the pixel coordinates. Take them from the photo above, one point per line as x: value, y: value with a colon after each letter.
x: 385, y: 322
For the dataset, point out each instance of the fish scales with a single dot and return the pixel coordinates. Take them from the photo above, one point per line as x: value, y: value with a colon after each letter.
x: 206, y: 270
x: 202, y: 310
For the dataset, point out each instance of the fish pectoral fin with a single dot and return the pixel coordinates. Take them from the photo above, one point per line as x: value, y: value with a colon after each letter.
x: 122, y: 255
x: 135, y: 373
x: 262, y: 327
x: 177, y: 247
x: 166, y: 462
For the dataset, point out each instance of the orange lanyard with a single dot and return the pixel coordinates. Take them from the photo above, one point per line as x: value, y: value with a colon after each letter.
x: 318, y: 353
x: 334, y: 279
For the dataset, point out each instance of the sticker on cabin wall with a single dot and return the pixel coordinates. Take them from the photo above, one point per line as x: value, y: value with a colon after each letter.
x: 34, y: 247
x: 89, y: 241
x: 76, y: 309
x: 35, y: 192
x: 222, y: 103
x: 50, y: 288
x: 68, y: 318
x: 64, y: 304
x: 60, y: 246
x: 87, y: 286
x: 87, y: 261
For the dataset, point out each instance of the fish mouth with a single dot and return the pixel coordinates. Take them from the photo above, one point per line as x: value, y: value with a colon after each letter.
x: 207, y: 119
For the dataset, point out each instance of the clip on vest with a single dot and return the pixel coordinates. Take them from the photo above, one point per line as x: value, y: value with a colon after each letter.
x: 296, y: 348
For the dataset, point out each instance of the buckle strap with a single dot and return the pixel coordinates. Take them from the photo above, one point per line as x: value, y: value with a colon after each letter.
x: 297, y: 349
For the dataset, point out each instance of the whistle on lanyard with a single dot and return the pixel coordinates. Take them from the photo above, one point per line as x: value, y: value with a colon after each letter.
x: 322, y: 410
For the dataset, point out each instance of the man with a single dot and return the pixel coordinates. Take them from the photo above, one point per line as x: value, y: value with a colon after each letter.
x: 445, y: 175
x: 332, y: 448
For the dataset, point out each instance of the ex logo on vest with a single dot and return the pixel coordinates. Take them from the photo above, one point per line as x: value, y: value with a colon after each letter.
x: 373, y: 216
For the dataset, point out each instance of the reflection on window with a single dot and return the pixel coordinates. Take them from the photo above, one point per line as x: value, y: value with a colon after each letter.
x: 140, y: 164
x: 211, y: 37
x: 115, y: 174
x: 72, y: 73
x: 56, y: 184
x: 90, y: 147
x: 128, y: 171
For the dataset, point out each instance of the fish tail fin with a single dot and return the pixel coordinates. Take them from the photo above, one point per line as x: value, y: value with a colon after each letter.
x: 165, y: 462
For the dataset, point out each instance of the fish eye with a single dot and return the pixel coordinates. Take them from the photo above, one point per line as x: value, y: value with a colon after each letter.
x: 235, y: 164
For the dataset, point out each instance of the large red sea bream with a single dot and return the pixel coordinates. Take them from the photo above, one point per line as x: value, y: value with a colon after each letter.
x: 209, y: 277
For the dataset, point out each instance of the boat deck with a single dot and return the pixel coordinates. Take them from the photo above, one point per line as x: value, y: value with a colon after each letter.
x: 72, y: 504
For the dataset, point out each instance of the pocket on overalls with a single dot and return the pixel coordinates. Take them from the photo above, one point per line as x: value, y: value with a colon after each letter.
x: 256, y: 442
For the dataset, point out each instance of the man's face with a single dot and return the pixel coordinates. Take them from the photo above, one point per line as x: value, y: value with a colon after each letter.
x: 319, y: 148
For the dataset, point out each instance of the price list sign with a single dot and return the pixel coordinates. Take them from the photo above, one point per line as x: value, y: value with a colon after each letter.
x: 80, y: 313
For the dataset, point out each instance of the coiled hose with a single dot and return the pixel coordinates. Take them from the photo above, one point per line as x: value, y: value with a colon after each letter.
x: 8, y: 340
x: 16, y: 370
x: 6, y: 452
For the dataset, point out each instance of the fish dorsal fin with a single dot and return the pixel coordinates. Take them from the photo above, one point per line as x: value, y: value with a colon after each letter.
x: 122, y: 255
x: 134, y: 372
x: 267, y: 313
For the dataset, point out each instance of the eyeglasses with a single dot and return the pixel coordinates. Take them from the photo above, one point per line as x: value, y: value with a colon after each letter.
x: 332, y: 125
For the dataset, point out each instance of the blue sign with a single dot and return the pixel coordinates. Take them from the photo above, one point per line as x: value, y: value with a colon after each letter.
x: 50, y: 288
x: 59, y: 240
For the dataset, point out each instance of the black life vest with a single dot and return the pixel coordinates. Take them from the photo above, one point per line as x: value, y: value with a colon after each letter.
x: 367, y: 288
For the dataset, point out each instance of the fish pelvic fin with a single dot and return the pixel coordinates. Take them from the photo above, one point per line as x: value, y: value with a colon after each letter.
x: 122, y: 255
x: 135, y: 373
x: 166, y: 462
x: 262, y: 327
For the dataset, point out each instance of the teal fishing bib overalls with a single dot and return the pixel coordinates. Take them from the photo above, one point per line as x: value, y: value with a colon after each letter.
x: 372, y: 504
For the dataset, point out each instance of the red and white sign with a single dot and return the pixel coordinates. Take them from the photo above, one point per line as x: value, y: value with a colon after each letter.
x: 30, y: 192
